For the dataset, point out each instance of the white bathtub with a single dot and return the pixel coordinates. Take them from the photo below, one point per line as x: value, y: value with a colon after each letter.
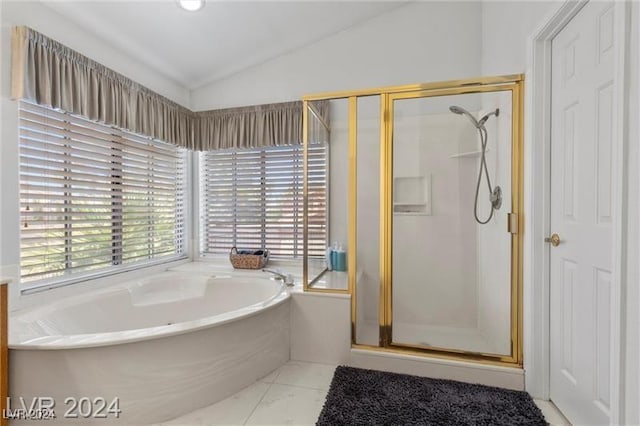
x: 163, y: 345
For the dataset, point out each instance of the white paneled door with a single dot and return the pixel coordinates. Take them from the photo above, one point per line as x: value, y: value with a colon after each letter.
x: 583, y: 113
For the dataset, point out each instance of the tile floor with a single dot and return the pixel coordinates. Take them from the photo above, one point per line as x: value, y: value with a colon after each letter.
x: 291, y: 395
x: 551, y: 413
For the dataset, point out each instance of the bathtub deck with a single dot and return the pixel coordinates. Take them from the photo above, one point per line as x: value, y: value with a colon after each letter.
x: 292, y: 394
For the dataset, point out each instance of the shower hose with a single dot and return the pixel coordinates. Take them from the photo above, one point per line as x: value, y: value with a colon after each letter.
x: 483, y: 169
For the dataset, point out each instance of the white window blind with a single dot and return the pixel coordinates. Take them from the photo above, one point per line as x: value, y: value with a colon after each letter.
x: 95, y: 198
x: 253, y: 199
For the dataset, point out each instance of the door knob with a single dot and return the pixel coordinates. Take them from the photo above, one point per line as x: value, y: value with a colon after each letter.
x: 553, y: 239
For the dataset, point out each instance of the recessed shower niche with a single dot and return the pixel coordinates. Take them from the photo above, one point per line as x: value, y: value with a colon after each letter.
x: 412, y: 195
x: 433, y: 206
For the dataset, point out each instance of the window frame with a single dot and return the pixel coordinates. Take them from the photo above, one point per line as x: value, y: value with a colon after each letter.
x: 116, y: 267
x: 200, y: 221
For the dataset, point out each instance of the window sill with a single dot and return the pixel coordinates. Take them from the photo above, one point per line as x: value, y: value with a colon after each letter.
x: 222, y: 263
x: 223, y: 260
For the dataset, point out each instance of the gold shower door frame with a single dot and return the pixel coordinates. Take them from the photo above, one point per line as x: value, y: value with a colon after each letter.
x: 512, y: 83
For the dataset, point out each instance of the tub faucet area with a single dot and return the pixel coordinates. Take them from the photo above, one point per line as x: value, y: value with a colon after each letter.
x: 285, y: 278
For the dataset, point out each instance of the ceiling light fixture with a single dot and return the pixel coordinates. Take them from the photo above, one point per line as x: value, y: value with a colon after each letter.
x: 191, y: 5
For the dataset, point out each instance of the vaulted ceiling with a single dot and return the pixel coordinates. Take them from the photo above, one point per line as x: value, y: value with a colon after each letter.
x: 196, y: 48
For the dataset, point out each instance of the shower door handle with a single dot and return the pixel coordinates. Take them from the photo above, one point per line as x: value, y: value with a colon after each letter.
x: 553, y: 239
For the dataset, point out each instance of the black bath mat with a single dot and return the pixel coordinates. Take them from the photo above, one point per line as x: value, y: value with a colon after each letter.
x: 368, y: 397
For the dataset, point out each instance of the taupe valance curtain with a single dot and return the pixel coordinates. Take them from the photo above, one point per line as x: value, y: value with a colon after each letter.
x: 46, y: 72
x: 49, y: 73
x: 247, y: 127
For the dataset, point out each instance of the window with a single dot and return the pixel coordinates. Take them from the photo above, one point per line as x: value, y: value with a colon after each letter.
x: 94, y: 198
x: 253, y: 199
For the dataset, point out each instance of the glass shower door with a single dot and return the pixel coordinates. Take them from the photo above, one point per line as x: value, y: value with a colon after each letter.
x: 450, y: 201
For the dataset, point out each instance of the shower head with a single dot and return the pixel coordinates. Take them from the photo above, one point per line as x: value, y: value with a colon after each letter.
x: 456, y: 109
x: 461, y: 111
x: 477, y: 123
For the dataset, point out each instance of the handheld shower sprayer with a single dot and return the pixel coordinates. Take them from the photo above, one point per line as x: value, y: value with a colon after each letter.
x: 477, y: 123
x: 461, y: 111
x: 495, y: 194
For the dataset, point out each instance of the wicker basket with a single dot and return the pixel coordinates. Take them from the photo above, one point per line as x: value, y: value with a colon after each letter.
x: 248, y: 261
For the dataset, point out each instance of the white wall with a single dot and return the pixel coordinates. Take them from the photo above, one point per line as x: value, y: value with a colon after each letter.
x: 505, y: 28
x: 419, y: 42
x: 41, y: 18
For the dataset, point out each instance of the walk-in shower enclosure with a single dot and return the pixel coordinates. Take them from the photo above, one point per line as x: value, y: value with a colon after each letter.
x: 414, y: 173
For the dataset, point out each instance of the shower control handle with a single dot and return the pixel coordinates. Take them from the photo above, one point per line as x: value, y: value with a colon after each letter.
x: 553, y: 239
